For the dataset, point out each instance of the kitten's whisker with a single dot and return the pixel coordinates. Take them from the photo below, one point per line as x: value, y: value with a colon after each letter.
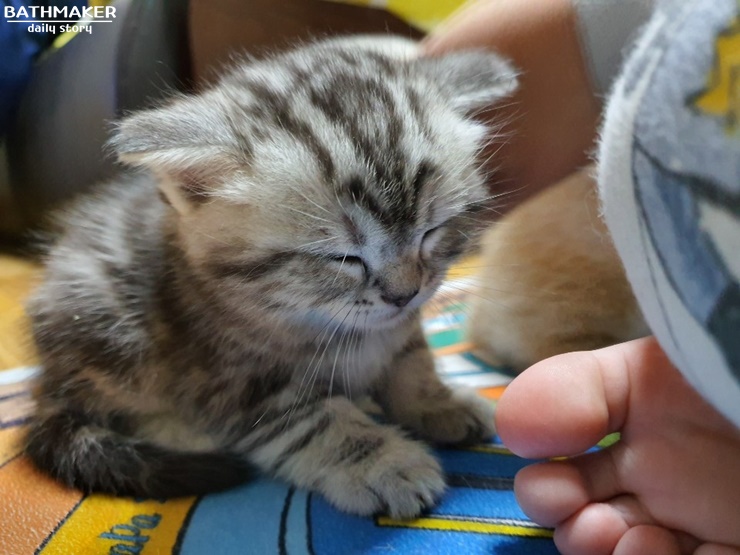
x: 512, y: 294
x: 212, y: 238
x: 309, y: 215
x: 339, y: 201
x: 440, y: 309
x: 256, y: 422
x: 486, y: 199
x: 468, y: 218
x: 318, y: 338
x: 339, y: 350
x: 339, y: 271
x: 355, y: 346
x: 347, y: 353
x: 503, y: 194
x: 311, y: 372
x: 475, y: 294
x: 317, y: 369
x: 360, y: 339
x: 317, y: 242
x: 493, y: 154
x: 316, y: 204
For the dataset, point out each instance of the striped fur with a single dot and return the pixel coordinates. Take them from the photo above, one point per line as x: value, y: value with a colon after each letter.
x: 220, y: 309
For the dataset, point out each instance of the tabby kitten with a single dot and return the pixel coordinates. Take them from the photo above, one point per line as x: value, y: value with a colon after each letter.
x: 220, y: 310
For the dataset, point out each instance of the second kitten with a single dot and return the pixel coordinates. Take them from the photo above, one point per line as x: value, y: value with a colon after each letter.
x: 551, y: 281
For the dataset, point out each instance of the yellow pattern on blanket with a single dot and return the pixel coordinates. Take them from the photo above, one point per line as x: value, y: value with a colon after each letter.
x: 423, y: 14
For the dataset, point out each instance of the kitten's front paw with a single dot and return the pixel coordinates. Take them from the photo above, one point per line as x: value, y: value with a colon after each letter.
x: 463, y: 419
x: 402, y: 480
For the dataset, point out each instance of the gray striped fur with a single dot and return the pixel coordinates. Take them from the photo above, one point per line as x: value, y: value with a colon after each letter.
x: 220, y: 309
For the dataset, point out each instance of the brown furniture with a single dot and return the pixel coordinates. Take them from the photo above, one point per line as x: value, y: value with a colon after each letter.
x: 218, y: 29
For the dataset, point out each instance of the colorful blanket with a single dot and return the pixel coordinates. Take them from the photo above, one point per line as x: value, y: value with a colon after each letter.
x: 478, y: 514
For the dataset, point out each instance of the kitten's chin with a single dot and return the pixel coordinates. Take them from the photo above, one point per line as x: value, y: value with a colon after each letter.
x: 386, y: 322
x: 363, y: 324
x: 350, y: 319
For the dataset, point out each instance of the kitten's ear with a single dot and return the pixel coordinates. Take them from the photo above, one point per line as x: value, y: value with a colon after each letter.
x: 187, y: 143
x: 474, y: 79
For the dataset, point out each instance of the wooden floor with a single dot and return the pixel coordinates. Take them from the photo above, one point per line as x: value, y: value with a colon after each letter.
x: 17, y: 277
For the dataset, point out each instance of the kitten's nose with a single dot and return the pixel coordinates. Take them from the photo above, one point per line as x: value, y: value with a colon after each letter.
x: 398, y: 300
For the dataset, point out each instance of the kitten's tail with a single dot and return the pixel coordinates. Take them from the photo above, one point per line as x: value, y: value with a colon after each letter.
x: 95, y: 459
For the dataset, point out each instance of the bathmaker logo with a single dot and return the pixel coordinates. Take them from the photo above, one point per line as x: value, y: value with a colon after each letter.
x: 59, y: 19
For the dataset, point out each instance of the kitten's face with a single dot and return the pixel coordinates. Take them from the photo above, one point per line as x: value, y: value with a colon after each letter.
x: 333, y: 185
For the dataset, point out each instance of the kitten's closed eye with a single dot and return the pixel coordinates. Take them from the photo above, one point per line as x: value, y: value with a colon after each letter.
x: 353, y: 265
x: 346, y: 259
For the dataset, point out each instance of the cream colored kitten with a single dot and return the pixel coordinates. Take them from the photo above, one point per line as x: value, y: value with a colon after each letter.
x: 551, y: 281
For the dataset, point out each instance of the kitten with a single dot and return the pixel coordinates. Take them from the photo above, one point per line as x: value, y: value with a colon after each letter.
x: 220, y: 310
x: 551, y: 281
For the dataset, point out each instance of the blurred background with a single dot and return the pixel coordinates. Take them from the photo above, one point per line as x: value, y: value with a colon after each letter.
x: 59, y: 92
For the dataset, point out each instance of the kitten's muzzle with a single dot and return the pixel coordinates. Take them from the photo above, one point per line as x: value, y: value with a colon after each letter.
x: 399, y: 300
